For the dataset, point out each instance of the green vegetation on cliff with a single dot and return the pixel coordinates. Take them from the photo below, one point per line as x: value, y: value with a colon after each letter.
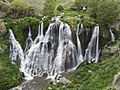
x: 9, y: 73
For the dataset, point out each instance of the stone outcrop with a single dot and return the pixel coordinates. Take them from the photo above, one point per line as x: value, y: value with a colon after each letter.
x: 116, y: 82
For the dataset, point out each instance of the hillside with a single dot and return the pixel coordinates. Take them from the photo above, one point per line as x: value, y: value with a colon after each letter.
x: 93, y: 77
x: 21, y: 15
x: 38, y: 5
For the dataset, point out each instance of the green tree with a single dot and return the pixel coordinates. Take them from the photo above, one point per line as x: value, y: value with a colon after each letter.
x: 105, y: 12
x: 49, y: 7
x: 20, y: 8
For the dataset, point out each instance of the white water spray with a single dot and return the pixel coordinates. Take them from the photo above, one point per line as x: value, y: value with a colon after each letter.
x: 54, y: 52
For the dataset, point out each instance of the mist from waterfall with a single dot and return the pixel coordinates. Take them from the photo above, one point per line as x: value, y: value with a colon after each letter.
x: 54, y: 52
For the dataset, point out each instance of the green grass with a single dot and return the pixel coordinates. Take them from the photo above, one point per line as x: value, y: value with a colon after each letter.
x: 93, y: 76
x: 9, y: 74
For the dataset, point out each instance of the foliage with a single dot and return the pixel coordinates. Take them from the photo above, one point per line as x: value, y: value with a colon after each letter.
x: 49, y: 7
x: 60, y: 8
x: 87, y: 77
x: 4, y: 6
x: 20, y: 8
x: 16, y: 8
x: 21, y: 26
x: 93, y: 76
x: 2, y: 26
x: 105, y: 12
x: 9, y: 74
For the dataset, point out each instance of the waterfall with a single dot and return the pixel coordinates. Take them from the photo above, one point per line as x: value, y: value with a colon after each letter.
x: 36, y: 61
x: 16, y: 51
x: 40, y: 34
x: 66, y: 59
x: 112, y: 36
x: 54, y: 52
x: 79, y: 50
x: 29, y: 41
x: 92, y: 52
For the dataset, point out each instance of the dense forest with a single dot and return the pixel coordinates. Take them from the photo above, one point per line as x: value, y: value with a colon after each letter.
x: 19, y: 15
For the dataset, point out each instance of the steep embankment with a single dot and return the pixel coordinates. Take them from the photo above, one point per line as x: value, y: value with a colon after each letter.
x: 94, y: 76
x: 9, y: 74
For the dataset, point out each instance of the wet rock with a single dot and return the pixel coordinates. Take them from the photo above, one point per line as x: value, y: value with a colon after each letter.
x: 63, y: 80
x: 116, y: 82
x: 2, y: 26
x: 38, y: 83
x: 60, y: 79
x: 1, y: 50
x: 16, y: 88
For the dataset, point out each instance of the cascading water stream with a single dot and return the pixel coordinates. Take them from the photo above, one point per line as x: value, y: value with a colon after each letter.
x: 79, y: 49
x: 54, y: 52
x: 29, y: 41
x: 16, y: 51
x: 40, y: 35
x: 36, y: 59
x: 39, y: 58
x: 92, y: 52
x: 112, y: 36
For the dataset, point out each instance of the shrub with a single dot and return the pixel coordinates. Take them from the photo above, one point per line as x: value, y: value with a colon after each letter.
x: 50, y: 8
x: 9, y: 74
x: 20, y: 8
x: 105, y: 12
x: 20, y: 27
x: 60, y: 8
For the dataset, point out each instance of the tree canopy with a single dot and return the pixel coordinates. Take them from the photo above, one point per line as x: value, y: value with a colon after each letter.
x: 105, y: 12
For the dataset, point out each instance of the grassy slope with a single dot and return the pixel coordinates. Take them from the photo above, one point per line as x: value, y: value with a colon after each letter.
x: 93, y: 76
x: 9, y: 74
